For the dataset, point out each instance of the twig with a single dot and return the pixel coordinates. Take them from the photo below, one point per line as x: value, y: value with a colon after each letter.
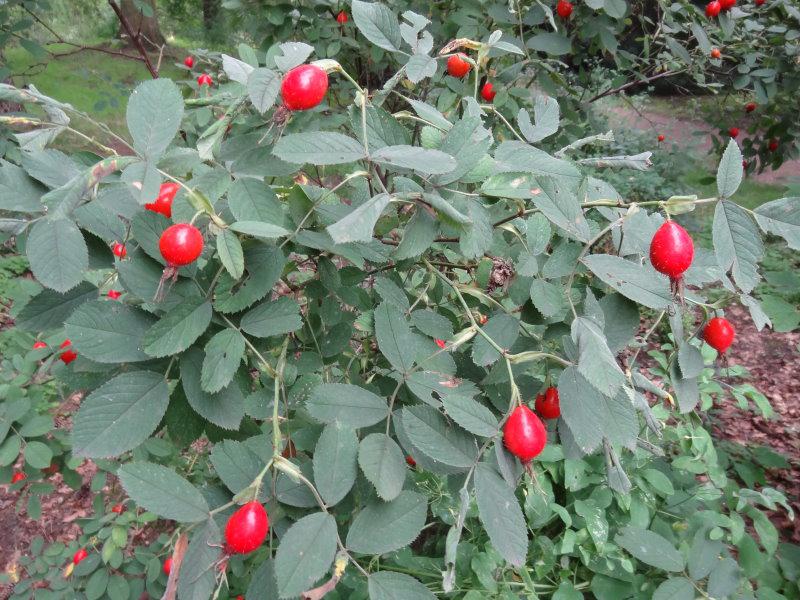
x: 135, y: 39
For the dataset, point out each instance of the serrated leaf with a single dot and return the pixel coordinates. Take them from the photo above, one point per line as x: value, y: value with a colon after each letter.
x: 420, y: 66
x: 120, y: 415
x: 545, y: 117
x: 548, y: 298
x: 225, y: 408
x: 595, y: 361
x: 236, y: 70
x: 382, y: 462
x: 390, y: 585
x: 348, y: 404
x: 675, y: 588
x: 273, y: 318
x: 471, y: 415
x: 357, y: 225
x: 381, y: 527
x: 690, y: 360
x: 230, y: 253
x: 432, y: 162
x: 559, y: 203
x: 781, y: 217
x: 236, y: 465
x: 179, y: 328
x: 263, y: 87
x: 224, y: 353
x: 737, y: 243
x: 640, y: 284
x: 433, y: 436
x: 319, y: 148
x: 335, y: 462
x: 305, y: 553
x: 108, y: 332
x: 162, y: 491
x: 154, y: 114
x: 263, y: 267
x: 730, y: 170
x: 650, y: 548
x: 197, y: 577
x: 38, y: 454
x: 522, y: 157
x: 257, y: 229
x: 504, y: 330
x: 501, y: 515
x: 50, y: 309
x: 395, y: 339
x: 378, y: 24
x: 57, y: 254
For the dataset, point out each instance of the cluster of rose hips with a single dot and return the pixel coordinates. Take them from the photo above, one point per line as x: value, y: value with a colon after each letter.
x: 458, y: 67
x: 524, y: 434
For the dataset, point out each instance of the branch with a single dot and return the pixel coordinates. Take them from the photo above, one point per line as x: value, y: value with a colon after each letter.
x: 134, y: 38
x: 631, y: 84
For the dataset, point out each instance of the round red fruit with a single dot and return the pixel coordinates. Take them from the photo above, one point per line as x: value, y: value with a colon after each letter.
x: 341, y: 18
x: 167, y: 566
x: 482, y: 319
x: 750, y: 107
x: 547, y: 404
x: 671, y: 250
x: 247, y: 528
x: 118, y: 509
x: 18, y: 476
x: 163, y: 202
x: 205, y: 79
x: 719, y: 333
x: 733, y: 132
x: 564, y: 9
x: 661, y: 137
x: 773, y: 145
x: 440, y: 343
x: 715, y: 53
x: 181, y: 244
x: 744, y: 164
x: 487, y: 92
x: 119, y: 250
x: 114, y: 294
x: 79, y: 556
x: 760, y: 2
x: 304, y: 87
x: 410, y: 461
x: 188, y: 61
x: 524, y: 434
x: 713, y: 8
x: 727, y: 4
x: 39, y: 345
x: 68, y: 355
x: 457, y: 66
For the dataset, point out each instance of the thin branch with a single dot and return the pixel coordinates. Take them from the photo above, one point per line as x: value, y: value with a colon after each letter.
x: 135, y: 39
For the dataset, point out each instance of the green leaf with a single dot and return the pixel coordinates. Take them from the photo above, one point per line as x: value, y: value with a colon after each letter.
x: 591, y: 416
x: 504, y: 330
x: 675, y: 588
x: 378, y: 24
x: 319, y: 148
x: 545, y: 116
x: 57, y: 253
x: 263, y: 86
x: 224, y: 353
x: 358, y: 224
x: 724, y: 579
x: 392, y: 293
x: 262, y: 583
x: 155, y: 110
x: 548, y: 298
x: 381, y: 527
x: 18, y: 192
x: 432, y: 323
x: 781, y: 217
x: 230, y: 253
x: 382, y: 128
x: 305, y: 553
x: 433, y: 162
x: 163, y: 492
x: 225, y: 408
x: 737, y: 242
x: 390, y: 585
x: 650, y: 548
x: 108, y: 332
x: 335, y: 462
x: 235, y: 69
x: 383, y: 464
x: 254, y: 200
x: 49, y: 309
x: 420, y: 66
x: 641, y: 284
x: 686, y: 390
x: 559, y: 203
x: 595, y: 361
x: 236, y: 465
x: 263, y: 267
x: 730, y: 171
x: 552, y: 43
x: 501, y: 515
x: 396, y: 341
x: 435, y: 437
x: 347, y: 404
x: 257, y: 229
x: 690, y: 360
x: 518, y: 156
x: 197, y: 578
x: 179, y: 328
x: 120, y: 415
x: 273, y: 318
x: 38, y: 455
x: 471, y: 415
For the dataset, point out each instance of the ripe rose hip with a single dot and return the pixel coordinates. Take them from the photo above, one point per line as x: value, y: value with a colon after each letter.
x: 750, y: 107
x: 118, y: 509
x: 547, y: 404
x: 39, y: 344
x: 457, y: 66
x: 79, y: 556
x: 671, y: 250
x: 487, y: 92
x: 247, y: 528
x: 733, y: 132
x: 114, y: 294
x: 713, y: 8
x: 205, y: 79
x: 188, y: 61
x: 661, y: 137
x: 440, y: 343
x: 773, y: 145
x: 119, y: 250
x: 167, y: 566
x: 718, y: 333
x: 482, y: 319
x: 18, y: 476
x: 564, y: 9
x: 727, y: 4
x: 68, y: 355
x: 180, y: 244
x: 715, y: 53
x: 304, y: 87
x: 410, y: 461
x: 524, y: 434
x: 163, y: 202
x: 341, y: 18
x: 760, y: 2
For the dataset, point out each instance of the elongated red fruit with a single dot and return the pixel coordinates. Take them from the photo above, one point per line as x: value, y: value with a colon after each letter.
x: 457, y: 66
x: 79, y: 556
x: 548, y: 405
x: 487, y: 92
x: 671, y: 250
x: 304, y: 87
x: 247, y: 528
x: 18, y: 476
x: 341, y: 18
x: 719, y: 334
x: 524, y: 434
x: 188, y: 61
x: 713, y: 8
x: 163, y: 202
x: 180, y: 244
x: 167, y: 566
x: 39, y: 344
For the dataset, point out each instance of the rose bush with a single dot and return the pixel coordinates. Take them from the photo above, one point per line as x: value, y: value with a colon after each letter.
x: 332, y: 318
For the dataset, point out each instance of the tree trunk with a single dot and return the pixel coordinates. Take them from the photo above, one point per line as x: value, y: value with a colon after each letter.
x: 146, y: 27
x: 210, y: 12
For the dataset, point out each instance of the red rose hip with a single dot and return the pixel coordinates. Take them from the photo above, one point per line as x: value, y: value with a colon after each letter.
x: 247, y: 528
x: 18, y: 476
x: 440, y: 343
x: 79, y: 556
x: 719, y: 333
x: 180, y: 244
x: 715, y: 53
x: 457, y: 66
x: 119, y: 250
x: 727, y: 4
x: 188, y: 61
x: 205, y: 79
x: 524, y: 434
x: 773, y: 145
x: 68, y: 355
x: 733, y: 132
x: 163, y: 202
x: 547, y: 404
x: 39, y: 345
x: 564, y: 9
x: 750, y: 107
x: 304, y: 87
x: 661, y: 137
x: 167, y: 566
x: 341, y: 18
x: 713, y: 8
x: 487, y: 92
x: 671, y: 250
